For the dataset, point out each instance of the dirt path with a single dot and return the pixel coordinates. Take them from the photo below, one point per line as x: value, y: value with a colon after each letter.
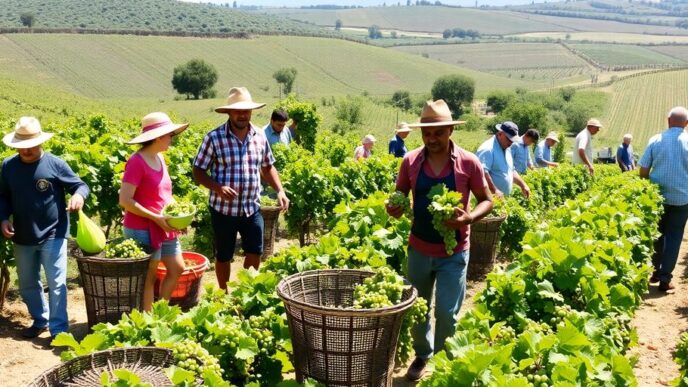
x: 660, y: 321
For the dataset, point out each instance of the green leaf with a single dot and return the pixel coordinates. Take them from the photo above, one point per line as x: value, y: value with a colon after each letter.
x: 571, y: 339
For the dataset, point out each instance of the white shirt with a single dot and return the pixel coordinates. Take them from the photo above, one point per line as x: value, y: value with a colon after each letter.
x: 583, y: 141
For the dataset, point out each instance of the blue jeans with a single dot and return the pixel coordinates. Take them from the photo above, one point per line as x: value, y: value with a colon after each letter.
x: 168, y: 248
x: 52, y: 255
x: 667, y: 246
x: 448, y: 275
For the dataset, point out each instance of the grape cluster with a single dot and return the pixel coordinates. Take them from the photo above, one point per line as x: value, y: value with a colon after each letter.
x: 383, y: 289
x: 266, y: 201
x: 416, y: 315
x: 442, y: 206
x: 127, y: 248
x: 179, y: 208
x: 398, y: 198
x: 191, y: 356
x: 505, y: 335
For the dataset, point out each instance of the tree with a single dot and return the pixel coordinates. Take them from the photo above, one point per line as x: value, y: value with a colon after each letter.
x: 349, y: 114
x: 447, y: 33
x: 526, y: 115
x: 338, y: 25
x: 567, y: 93
x: 27, y: 19
x: 456, y: 90
x: 195, y: 78
x: 402, y: 99
x: 499, y: 100
x: 374, y: 32
x: 285, y: 77
x: 560, y: 149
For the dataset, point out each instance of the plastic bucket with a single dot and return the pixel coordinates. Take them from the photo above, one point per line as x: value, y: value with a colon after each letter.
x: 187, y: 291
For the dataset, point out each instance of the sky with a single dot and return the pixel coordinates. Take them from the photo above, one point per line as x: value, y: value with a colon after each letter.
x: 299, y: 3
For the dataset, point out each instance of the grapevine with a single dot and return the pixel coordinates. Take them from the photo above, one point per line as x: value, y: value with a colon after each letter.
x: 398, y: 198
x: 191, y: 356
x: 442, y: 207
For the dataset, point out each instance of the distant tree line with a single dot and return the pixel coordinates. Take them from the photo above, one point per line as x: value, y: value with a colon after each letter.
x: 460, y: 33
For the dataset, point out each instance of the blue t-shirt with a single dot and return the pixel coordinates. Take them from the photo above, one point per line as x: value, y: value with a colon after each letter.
x: 35, y: 195
x: 397, y: 147
x: 625, y: 154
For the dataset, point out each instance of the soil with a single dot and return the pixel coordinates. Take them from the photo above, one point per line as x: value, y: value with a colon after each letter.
x: 659, y: 322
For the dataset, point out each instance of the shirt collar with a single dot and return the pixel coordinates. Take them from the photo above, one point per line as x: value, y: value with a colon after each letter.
x: 251, y: 129
x: 399, y: 138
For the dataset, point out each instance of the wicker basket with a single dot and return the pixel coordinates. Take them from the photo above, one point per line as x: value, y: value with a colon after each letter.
x: 146, y: 362
x: 270, y: 219
x: 112, y: 286
x: 337, y: 346
x: 484, y: 242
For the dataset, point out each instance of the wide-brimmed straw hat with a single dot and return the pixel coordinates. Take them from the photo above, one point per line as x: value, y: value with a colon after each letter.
x: 156, y: 125
x: 435, y: 113
x: 403, y: 127
x: 239, y: 99
x: 369, y: 139
x: 510, y: 129
x: 594, y: 122
x: 552, y: 136
x: 27, y: 134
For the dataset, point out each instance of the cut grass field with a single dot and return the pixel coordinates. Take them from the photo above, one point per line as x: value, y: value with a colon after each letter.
x: 639, y: 106
x: 608, y: 37
x: 620, y: 55
x: 116, y: 66
x: 487, y: 21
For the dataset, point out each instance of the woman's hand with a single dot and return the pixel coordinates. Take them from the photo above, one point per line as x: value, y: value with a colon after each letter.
x: 161, y: 220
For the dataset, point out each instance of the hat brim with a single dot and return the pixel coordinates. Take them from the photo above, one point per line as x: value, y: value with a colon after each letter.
x: 516, y: 139
x: 239, y: 106
x: 157, y: 132
x: 11, y: 141
x: 404, y: 130
x: 552, y: 138
x: 432, y: 124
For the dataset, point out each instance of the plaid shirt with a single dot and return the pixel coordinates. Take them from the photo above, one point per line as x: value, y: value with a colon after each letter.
x: 235, y: 164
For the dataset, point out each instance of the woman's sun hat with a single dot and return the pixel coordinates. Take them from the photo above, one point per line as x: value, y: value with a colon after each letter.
x: 155, y: 125
x: 27, y: 134
x: 369, y: 139
x: 239, y: 99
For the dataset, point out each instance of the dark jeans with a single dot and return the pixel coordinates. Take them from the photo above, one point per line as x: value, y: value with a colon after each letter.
x: 667, y: 246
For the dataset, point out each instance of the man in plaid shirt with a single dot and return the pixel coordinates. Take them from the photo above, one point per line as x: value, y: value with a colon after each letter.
x: 237, y: 154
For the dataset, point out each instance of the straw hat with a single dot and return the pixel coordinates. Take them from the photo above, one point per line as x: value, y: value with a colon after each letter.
x: 403, y: 127
x: 27, y: 134
x: 239, y: 99
x: 156, y: 125
x: 435, y: 113
x: 552, y: 136
x: 369, y: 139
x: 594, y: 122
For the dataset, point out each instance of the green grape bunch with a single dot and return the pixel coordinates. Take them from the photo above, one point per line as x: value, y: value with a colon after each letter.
x: 179, y: 208
x: 442, y: 207
x: 399, y: 199
x: 385, y: 288
x: 192, y: 357
x: 127, y: 248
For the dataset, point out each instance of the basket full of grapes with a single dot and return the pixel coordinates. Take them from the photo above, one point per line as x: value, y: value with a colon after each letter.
x: 345, y: 324
x: 180, y: 213
x: 113, y: 280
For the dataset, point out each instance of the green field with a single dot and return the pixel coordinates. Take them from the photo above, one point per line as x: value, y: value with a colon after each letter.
x: 639, y: 106
x: 116, y: 66
x: 620, y: 55
x: 605, y: 37
x: 678, y: 52
x: 487, y: 21
x: 149, y: 15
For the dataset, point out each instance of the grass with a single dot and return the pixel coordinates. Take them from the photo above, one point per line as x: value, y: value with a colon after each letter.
x: 639, y: 106
x: 617, y: 55
x: 149, y: 15
x: 637, y: 37
x: 486, y: 21
x: 538, y: 62
x: 678, y: 52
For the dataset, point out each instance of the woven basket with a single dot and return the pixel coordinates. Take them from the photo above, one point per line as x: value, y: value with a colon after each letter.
x: 112, y: 286
x: 146, y: 362
x: 484, y: 242
x: 337, y: 346
x: 270, y: 219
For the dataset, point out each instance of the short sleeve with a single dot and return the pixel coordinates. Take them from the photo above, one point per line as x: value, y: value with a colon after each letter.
x: 583, y: 141
x: 268, y: 158
x: 646, y: 160
x: 403, y: 180
x: 206, y: 154
x: 133, y: 170
x: 486, y: 158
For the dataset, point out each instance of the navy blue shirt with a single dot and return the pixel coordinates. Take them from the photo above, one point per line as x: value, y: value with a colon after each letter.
x: 34, y: 194
x: 422, y: 220
x: 397, y: 147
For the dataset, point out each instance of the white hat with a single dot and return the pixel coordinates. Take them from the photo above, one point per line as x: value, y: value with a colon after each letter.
x: 552, y: 136
x: 369, y: 139
x: 594, y: 122
x: 403, y: 127
x: 156, y: 125
x: 27, y: 134
x: 239, y: 99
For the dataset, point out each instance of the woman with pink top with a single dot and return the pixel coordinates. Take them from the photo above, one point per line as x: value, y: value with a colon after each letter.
x: 146, y: 189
